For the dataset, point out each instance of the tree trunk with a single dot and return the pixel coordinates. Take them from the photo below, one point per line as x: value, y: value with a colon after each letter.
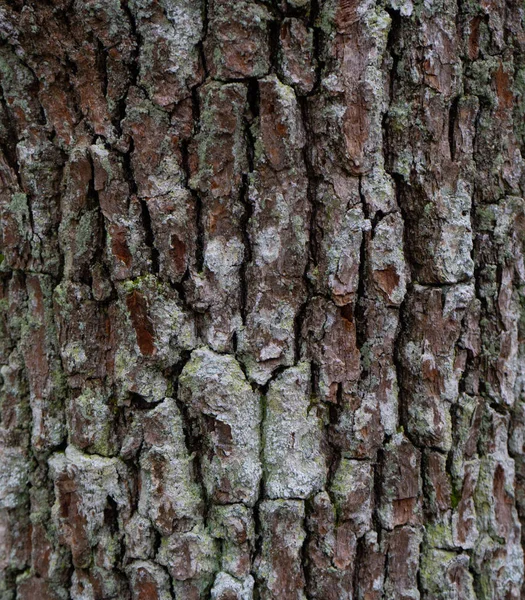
x: 263, y: 299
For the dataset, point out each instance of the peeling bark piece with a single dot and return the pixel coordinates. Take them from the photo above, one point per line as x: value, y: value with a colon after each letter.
x: 278, y: 234
x: 294, y: 464
x: 29, y: 201
x: 331, y: 550
x: 40, y: 349
x: 14, y: 470
x: 89, y: 490
x: 389, y: 271
x: 451, y: 580
x: 79, y: 228
x: 466, y: 431
x: 15, y: 232
x: 148, y: 581
x: 234, y: 526
x: 226, y: 587
x: 50, y: 560
x: 237, y: 44
x: 340, y: 225
x: 218, y: 151
x: 151, y: 331
x: 442, y: 233
x: 139, y: 537
x: 495, y: 504
x: 169, y: 496
x: 111, y: 26
x: 227, y: 415
x: 173, y: 218
x: 464, y: 521
x: 156, y: 159
x: 15, y: 412
x: 278, y: 566
x: 170, y: 33
x: 430, y: 370
x: 373, y: 413
x: 91, y: 421
x: 401, y: 484
x: 296, y: 55
x: 329, y: 339
x: 402, y: 557
x: 126, y: 244
x: 378, y: 191
x: 218, y: 162
x: 435, y: 182
x: 352, y: 488
x: 17, y: 81
x: 371, y: 572
x: 500, y: 237
x: 347, y: 111
x: 81, y: 331
x: 98, y: 583
x: 438, y: 491
x: 191, y: 559
x: 498, y: 567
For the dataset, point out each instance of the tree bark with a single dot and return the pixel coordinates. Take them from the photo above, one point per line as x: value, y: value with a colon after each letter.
x: 263, y: 299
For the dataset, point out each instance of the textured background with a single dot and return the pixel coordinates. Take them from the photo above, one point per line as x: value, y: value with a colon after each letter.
x: 262, y: 298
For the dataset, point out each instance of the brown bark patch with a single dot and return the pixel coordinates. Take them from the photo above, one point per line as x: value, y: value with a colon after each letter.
x: 142, y: 324
x: 503, y: 501
x: 503, y: 91
x: 347, y: 15
x: 119, y: 245
x: 178, y: 253
x: 387, y: 279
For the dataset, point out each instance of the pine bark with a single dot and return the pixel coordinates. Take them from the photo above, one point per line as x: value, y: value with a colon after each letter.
x: 262, y: 294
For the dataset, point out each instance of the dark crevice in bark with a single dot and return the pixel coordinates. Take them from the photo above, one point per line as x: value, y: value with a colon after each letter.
x: 335, y: 410
x: 305, y: 563
x: 244, y: 225
x: 205, y: 27
x: 311, y: 191
x: 138, y: 402
x: 71, y: 69
x: 149, y: 236
x: 398, y: 184
x: 318, y: 45
x: 258, y: 542
x: 377, y: 495
x: 298, y: 325
x: 101, y: 63
x: 192, y: 436
x: 133, y: 68
x: 360, y: 309
x: 360, y: 559
x: 99, y: 256
x: 377, y: 218
x: 157, y: 540
x: 393, y: 35
x: 274, y: 32
x: 199, y: 246
x: 9, y: 143
x: 253, y: 104
x: 452, y: 120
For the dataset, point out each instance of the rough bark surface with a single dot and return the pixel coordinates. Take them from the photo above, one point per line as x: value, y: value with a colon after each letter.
x: 262, y: 293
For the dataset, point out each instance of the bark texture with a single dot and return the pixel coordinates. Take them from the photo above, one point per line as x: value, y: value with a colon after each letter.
x: 262, y: 288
